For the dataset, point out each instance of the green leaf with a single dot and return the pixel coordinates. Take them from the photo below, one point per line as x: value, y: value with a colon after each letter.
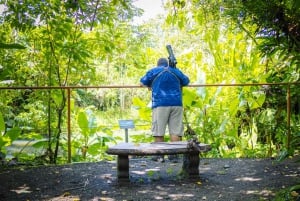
x: 223, y: 126
x: 2, y: 142
x: 295, y: 188
x: 145, y: 114
x: 94, y: 149
x: 40, y: 143
x: 189, y: 96
x: 138, y: 102
x: 14, y: 133
x: 282, y: 155
x: 2, y: 124
x: 257, y: 100
x: 57, y: 98
x: 267, y: 116
x: 83, y: 123
x: 234, y: 107
x: 11, y: 46
x: 143, y: 109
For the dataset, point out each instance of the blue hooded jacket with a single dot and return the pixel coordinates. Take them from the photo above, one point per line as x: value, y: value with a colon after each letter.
x: 166, y: 83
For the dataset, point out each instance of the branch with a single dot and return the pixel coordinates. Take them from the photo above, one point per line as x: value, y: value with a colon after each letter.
x: 94, y: 16
x: 248, y: 33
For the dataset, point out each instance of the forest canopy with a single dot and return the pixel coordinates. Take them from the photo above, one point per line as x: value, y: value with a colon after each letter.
x: 251, y: 45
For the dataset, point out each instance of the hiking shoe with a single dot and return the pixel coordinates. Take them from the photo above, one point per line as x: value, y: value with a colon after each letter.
x: 158, y: 159
x: 173, y: 158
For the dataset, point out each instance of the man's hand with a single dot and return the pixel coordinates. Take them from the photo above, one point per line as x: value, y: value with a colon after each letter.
x: 142, y: 85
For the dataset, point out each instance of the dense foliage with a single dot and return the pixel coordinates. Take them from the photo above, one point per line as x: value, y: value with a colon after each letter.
x: 95, y: 43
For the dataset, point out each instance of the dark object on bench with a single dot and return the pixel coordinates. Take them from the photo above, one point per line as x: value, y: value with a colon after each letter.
x: 190, y: 162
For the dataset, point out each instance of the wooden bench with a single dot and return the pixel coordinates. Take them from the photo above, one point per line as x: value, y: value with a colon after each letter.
x: 191, y: 158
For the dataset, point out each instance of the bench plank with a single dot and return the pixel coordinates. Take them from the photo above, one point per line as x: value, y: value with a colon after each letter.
x: 157, y: 148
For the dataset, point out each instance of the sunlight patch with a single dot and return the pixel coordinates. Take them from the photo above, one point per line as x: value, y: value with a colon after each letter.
x: 106, y: 199
x: 139, y: 172
x: 144, y: 191
x: 181, y: 195
x: 291, y: 175
x: 22, y: 189
x: 153, y: 169
x: 106, y: 176
x: 247, y: 179
x: 158, y: 198
x: 149, y: 171
x: 262, y: 193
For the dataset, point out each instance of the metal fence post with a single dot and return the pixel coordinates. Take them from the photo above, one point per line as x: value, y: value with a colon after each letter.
x: 288, y: 110
x: 69, y: 124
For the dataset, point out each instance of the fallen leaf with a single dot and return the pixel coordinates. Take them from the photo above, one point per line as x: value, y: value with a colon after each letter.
x: 294, y: 194
x: 221, y: 172
x: 66, y: 194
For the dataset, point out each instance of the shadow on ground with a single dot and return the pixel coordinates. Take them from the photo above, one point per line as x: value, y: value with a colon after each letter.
x: 219, y: 179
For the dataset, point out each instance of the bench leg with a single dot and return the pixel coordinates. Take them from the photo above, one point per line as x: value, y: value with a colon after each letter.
x: 190, y: 165
x: 123, y: 168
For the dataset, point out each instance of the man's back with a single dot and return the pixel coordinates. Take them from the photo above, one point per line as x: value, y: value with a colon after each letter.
x: 166, y: 85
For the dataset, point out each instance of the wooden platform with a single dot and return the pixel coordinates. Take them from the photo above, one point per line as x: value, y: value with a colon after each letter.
x: 190, y: 162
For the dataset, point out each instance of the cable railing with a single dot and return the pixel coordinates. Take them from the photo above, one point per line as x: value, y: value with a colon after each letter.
x: 69, y: 89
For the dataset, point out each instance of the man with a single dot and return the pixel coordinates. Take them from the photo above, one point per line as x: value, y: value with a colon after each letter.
x: 166, y: 85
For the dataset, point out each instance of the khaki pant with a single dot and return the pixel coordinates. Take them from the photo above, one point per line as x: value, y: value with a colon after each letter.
x: 170, y: 116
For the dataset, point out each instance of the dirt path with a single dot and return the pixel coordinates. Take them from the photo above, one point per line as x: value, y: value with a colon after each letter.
x: 220, y: 179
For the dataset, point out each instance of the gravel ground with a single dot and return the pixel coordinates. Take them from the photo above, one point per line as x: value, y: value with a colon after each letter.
x: 219, y: 179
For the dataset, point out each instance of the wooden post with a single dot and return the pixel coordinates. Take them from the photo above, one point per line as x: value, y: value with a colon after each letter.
x: 123, y: 168
x: 190, y: 165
